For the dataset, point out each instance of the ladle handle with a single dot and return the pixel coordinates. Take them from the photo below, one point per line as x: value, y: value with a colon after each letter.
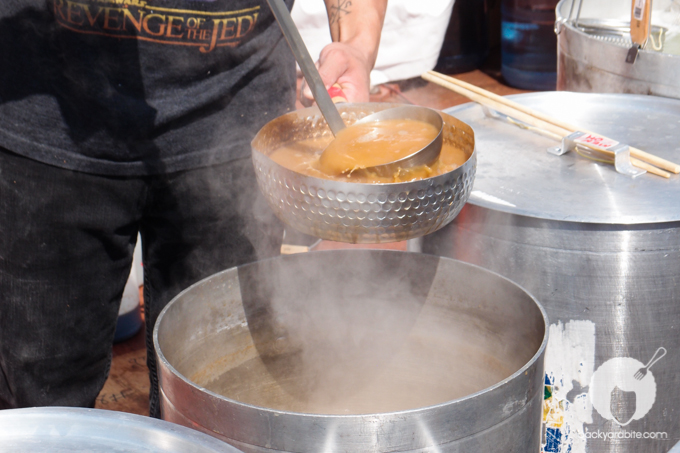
x: 640, y: 21
x: 304, y: 60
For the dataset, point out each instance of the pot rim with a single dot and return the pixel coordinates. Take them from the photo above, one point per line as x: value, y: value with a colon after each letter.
x: 524, y: 369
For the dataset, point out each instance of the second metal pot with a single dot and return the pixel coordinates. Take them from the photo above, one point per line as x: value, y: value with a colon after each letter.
x: 590, y: 61
x: 601, y: 252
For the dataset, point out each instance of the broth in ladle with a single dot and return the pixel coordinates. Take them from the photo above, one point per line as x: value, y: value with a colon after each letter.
x: 376, y: 143
x: 346, y: 158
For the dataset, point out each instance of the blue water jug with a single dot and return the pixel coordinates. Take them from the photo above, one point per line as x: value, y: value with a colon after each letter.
x: 529, y: 44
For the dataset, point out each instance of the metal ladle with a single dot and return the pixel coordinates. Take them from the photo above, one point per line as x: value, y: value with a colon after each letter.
x: 424, y: 156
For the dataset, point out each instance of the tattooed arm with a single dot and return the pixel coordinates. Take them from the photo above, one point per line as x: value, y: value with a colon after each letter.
x: 355, y: 28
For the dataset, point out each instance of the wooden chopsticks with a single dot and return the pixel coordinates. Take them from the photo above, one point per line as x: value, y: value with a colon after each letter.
x: 555, y: 127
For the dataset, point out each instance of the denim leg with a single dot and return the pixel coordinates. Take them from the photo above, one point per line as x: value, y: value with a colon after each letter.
x: 66, y: 243
x: 197, y: 223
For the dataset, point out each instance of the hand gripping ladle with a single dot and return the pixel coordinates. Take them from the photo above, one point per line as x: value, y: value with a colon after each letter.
x: 424, y: 156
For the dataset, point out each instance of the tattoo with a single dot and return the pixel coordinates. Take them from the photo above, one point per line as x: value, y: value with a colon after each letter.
x: 336, y: 12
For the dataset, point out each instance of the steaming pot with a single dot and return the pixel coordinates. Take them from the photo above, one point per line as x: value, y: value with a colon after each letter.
x: 353, y: 212
x: 600, y: 251
x: 592, y: 48
x: 355, y: 351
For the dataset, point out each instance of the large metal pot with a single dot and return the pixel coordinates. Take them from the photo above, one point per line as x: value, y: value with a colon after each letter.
x: 353, y: 212
x: 600, y: 251
x: 592, y: 47
x: 355, y: 351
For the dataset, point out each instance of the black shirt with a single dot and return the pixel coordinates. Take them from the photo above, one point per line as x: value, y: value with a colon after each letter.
x: 134, y: 87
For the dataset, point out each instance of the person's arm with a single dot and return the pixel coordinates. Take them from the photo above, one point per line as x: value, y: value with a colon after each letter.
x: 355, y: 29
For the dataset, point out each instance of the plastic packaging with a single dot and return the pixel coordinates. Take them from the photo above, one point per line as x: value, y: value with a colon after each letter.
x: 130, y: 313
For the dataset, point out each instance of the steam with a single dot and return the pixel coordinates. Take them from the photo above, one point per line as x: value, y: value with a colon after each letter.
x: 359, y: 332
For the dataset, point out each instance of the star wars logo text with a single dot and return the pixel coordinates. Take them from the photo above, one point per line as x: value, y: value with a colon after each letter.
x: 139, y: 20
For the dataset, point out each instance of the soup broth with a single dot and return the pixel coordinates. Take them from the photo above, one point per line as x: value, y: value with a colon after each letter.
x: 347, y: 157
x: 376, y: 143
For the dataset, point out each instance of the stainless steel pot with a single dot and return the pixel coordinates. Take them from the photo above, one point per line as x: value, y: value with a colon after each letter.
x: 600, y: 251
x: 71, y: 429
x: 592, y: 48
x: 352, y: 212
x: 355, y: 351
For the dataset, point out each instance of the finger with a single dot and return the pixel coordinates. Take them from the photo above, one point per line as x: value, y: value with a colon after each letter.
x: 339, y: 63
x: 306, y: 97
x: 335, y: 92
x: 337, y: 95
x: 333, y: 64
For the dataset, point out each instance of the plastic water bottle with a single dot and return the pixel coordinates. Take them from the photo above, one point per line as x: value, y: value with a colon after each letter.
x: 529, y: 44
x: 466, y: 42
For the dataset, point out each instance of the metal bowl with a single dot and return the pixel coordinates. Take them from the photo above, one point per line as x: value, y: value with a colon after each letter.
x: 74, y: 429
x: 353, y: 212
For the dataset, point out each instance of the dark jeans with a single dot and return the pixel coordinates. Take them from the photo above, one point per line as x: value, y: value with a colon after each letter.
x: 66, y: 245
